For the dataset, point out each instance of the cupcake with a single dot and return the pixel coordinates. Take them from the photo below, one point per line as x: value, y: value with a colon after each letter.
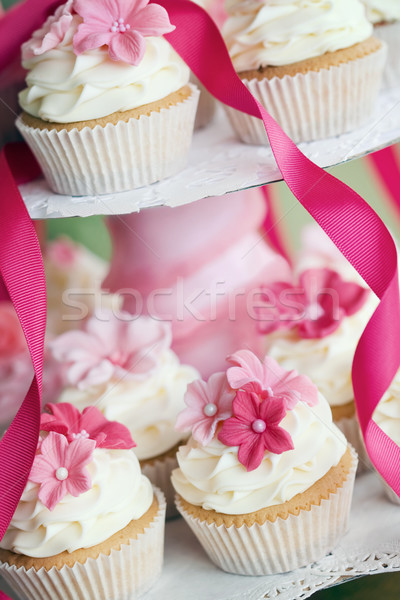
x: 107, y: 105
x: 265, y: 482
x: 385, y: 17
x: 73, y: 276
x: 387, y: 416
x: 314, y: 66
x: 88, y: 524
x: 126, y: 367
x: 314, y: 326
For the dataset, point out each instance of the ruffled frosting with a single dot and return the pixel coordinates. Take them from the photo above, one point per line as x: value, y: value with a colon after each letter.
x: 65, y: 88
x: 281, y: 32
x: 212, y: 477
x: 382, y: 11
x: 119, y: 494
x: 147, y: 406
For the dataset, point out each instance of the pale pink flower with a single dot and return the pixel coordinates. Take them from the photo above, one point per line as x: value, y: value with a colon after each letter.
x: 254, y: 427
x: 269, y: 380
x: 63, y: 253
x: 122, y: 25
x: 51, y: 34
x: 316, y: 307
x: 59, y: 468
x: 207, y: 405
x: 64, y: 418
x: 113, y: 348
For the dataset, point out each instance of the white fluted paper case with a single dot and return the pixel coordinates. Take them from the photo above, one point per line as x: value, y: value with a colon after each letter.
x: 159, y: 472
x: 115, y: 158
x: 124, y: 574
x: 280, y: 546
x: 350, y: 428
x: 390, y: 34
x: 314, y: 105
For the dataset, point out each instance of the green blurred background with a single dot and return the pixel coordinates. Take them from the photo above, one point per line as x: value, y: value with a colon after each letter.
x: 92, y: 232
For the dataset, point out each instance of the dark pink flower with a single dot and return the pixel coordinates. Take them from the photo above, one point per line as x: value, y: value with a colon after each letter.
x: 59, y: 468
x: 207, y: 404
x: 64, y: 418
x: 254, y: 427
x: 121, y: 25
x: 315, y: 308
x: 269, y: 380
x: 113, y: 348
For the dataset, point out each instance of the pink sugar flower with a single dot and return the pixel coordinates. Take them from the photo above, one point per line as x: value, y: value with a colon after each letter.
x: 269, y: 380
x: 65, y: 419
x: 315, y: 308
x: 59, y: 468
x: 254, y: 427
x: 12, y: 340
x: 114, y: 348
x: 51, y: 34
x: 207, y: 405
x: 121, y: 25
x: 63, y: 253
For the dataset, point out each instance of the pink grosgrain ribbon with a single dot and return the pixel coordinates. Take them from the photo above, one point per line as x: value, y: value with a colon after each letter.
x: 22, y: 273
x: 351, y: 224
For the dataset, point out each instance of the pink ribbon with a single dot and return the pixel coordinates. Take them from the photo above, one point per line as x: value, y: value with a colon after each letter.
x: 386, y: 167
x: 22, y: 273
x: 349, y: 221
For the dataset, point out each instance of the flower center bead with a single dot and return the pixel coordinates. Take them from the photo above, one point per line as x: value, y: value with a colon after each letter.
x: 119, y: 26
x: 62, y: 473
x: 259, y: 426
x: 82, y: 434
x: 210, y: 409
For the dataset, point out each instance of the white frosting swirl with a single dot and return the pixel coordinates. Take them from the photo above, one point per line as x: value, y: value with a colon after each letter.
x: 387, y: 413
x: 281, y: 32
x: 382, y: 11
x: 64, y: 88
x: 119, y: 494
x: 148, y: 407
x: 212, y: 477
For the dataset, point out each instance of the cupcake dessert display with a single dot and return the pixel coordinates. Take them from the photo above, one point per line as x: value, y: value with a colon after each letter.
x: 314, y: 66
x: 107, y: 105
x: 385, y: 17
x: 387, y: 416
x: 313, y: 326
x: 265, y: 481
x: 88, y: 525
x: 126, y: 367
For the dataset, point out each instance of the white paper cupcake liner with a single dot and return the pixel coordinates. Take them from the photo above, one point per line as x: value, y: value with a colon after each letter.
x: 206, y: 107
x: 159, y: 472
x: 281, y: 546
x: 314, y: 105
x: 117, y: 157
x: 352, y: 432
x: 390, y: 34
x: 125, y: 574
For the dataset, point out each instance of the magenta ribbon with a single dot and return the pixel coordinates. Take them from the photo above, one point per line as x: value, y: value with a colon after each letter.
x: 349, y: 221
x: 386, y: 167
x: 22, y: 274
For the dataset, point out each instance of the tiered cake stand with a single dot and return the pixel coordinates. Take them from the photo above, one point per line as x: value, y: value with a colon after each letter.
x: 372, y: 544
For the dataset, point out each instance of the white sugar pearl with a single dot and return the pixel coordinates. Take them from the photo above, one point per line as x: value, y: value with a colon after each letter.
x: 62, y: 473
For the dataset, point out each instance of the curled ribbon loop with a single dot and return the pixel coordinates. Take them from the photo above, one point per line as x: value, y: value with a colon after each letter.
x: 349, y: 221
